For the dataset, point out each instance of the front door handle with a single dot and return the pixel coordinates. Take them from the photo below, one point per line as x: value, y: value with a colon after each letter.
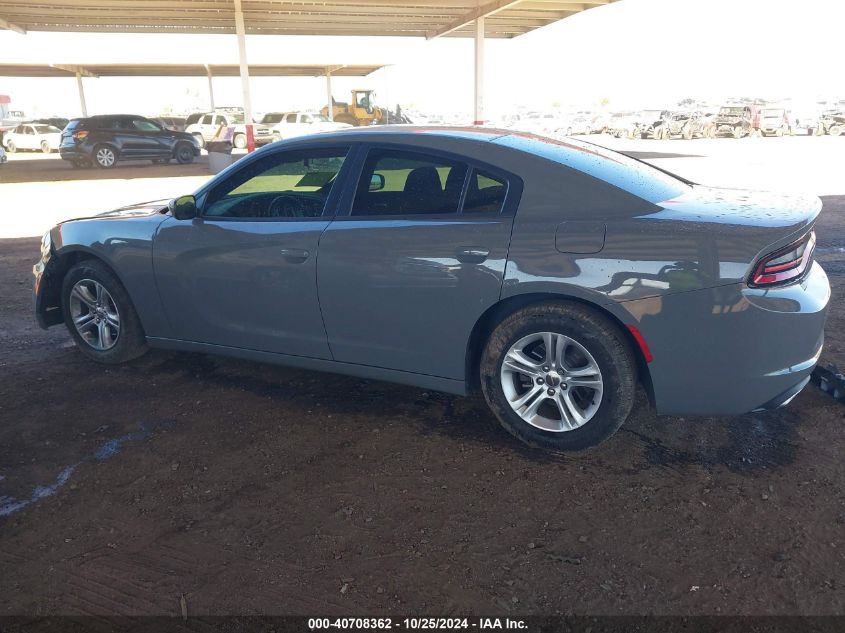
x: 473, y: 255
x: 294, y: 255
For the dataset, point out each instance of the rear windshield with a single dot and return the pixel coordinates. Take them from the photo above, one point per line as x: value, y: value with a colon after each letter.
x: 636, y: 177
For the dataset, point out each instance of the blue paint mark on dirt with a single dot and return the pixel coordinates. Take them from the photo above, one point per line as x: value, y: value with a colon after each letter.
x: 106, y: 450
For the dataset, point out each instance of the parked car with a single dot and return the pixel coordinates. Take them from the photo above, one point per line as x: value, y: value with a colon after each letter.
x: 832, y: 122
x: 211, y: 124
x: 648, y: 121
x: 736, y: 121
x: 623, y: 125
x: 575, y: 125
x: 774, y: 121
x: 106, y: 139
x: 291, y: 124
x: 687, y: 125
x: 32, y: 136
x: 553, y: 276
x: 55, y: 121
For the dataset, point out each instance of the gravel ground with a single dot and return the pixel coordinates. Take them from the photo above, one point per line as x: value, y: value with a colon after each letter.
x: 256, y: 489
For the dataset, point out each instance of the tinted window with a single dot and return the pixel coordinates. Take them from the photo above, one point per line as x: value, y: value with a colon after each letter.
x: 145, y: 126
x: 291, y: 118
x: 193, y: 118
x: 273, y: 117
x: 206, y: 120
x: 280, y: 186
x: 405, y: 183
x: 485, y: 193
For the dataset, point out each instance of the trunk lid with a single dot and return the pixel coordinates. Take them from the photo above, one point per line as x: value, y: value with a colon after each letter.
x: 745, y: 224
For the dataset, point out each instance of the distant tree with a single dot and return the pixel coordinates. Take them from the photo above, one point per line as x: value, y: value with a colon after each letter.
x: 686, y: 103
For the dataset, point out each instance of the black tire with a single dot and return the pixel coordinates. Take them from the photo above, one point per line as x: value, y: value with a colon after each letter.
x: 130, y: 341
x: 184, y: 154
x: 45, y: 147
x: 101, y: 154
x: 599, y: 336
x: 11, y: 147
x: 239, y: 141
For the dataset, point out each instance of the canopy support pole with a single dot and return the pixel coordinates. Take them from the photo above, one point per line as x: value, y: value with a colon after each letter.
x: 329, y: 94
x: 82, y: 104
x: 210, y: 88
x: 240, y: 30
x: 479, y: 71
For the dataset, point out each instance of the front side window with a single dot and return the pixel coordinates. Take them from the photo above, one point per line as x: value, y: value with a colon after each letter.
x: 207, y: 119
x: 291, y: 118
x: 281, y: 186
x: 408, y: 183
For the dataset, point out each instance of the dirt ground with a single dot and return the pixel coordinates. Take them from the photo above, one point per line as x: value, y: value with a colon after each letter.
x: 252, y: 489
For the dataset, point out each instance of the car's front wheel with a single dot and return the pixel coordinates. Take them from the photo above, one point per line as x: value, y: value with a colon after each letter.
x: 45, y: 147
x: 239, y: 141
x: 11, y: 147
x: 558, y: 376
x: 184, y: 153
x: 99, y: 314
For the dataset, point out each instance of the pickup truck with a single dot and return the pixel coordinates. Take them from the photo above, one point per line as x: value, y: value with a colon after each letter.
x: 207, y: 125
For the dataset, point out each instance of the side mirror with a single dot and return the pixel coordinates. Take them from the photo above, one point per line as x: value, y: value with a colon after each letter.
x: 376, y: 182
x: 183, y: 207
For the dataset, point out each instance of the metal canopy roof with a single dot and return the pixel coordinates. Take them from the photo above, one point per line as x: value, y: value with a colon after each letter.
x: 184, y: 70
x: 428, y: 18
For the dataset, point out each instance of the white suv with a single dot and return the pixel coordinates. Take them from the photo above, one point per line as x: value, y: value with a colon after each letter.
x: 209, y: 124
x: 290, y: 124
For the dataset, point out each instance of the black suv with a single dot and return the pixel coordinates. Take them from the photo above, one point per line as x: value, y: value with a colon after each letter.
x: 104, y: 140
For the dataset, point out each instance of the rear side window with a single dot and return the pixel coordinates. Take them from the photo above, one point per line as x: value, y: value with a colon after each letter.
x: 485, y: 193
x: 408, y: 183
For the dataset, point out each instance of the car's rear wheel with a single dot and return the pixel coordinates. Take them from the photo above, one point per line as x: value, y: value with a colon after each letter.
x: 239, y: 141
x: 558, y: 376
x: 99, y: 314
x: 105, y: 156
x: 45, y: 147
x: 184, y: 154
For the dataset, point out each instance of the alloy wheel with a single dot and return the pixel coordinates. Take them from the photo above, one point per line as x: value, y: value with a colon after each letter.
x: 105, y: 157
x: 552, y: 382
x: 94, y: 313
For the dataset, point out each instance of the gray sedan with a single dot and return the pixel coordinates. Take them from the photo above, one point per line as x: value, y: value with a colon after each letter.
x: 554, y: 276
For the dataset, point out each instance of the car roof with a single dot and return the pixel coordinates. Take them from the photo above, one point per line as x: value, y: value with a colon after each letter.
x: 593, y: 160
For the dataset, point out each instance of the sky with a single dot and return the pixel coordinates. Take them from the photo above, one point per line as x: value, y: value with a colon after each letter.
x: 629, y: 54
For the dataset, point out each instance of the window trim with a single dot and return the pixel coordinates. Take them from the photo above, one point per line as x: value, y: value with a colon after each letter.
x: 513, y: 193
x: 330, y: 207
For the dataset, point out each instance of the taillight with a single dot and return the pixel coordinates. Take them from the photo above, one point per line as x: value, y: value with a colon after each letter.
x: 78, y: 136
x: 786, y: 264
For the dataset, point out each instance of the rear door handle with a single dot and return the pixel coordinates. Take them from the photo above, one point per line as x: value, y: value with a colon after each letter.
x: 473, y: 255
x: 294, y: 255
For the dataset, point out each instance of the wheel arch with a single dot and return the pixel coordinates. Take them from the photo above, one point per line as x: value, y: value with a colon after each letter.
x: 62, y: 261
x: 498, y: 312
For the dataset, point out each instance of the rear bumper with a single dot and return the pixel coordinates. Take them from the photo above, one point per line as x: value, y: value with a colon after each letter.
x: 71, y: 152
x: 733, y: 349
